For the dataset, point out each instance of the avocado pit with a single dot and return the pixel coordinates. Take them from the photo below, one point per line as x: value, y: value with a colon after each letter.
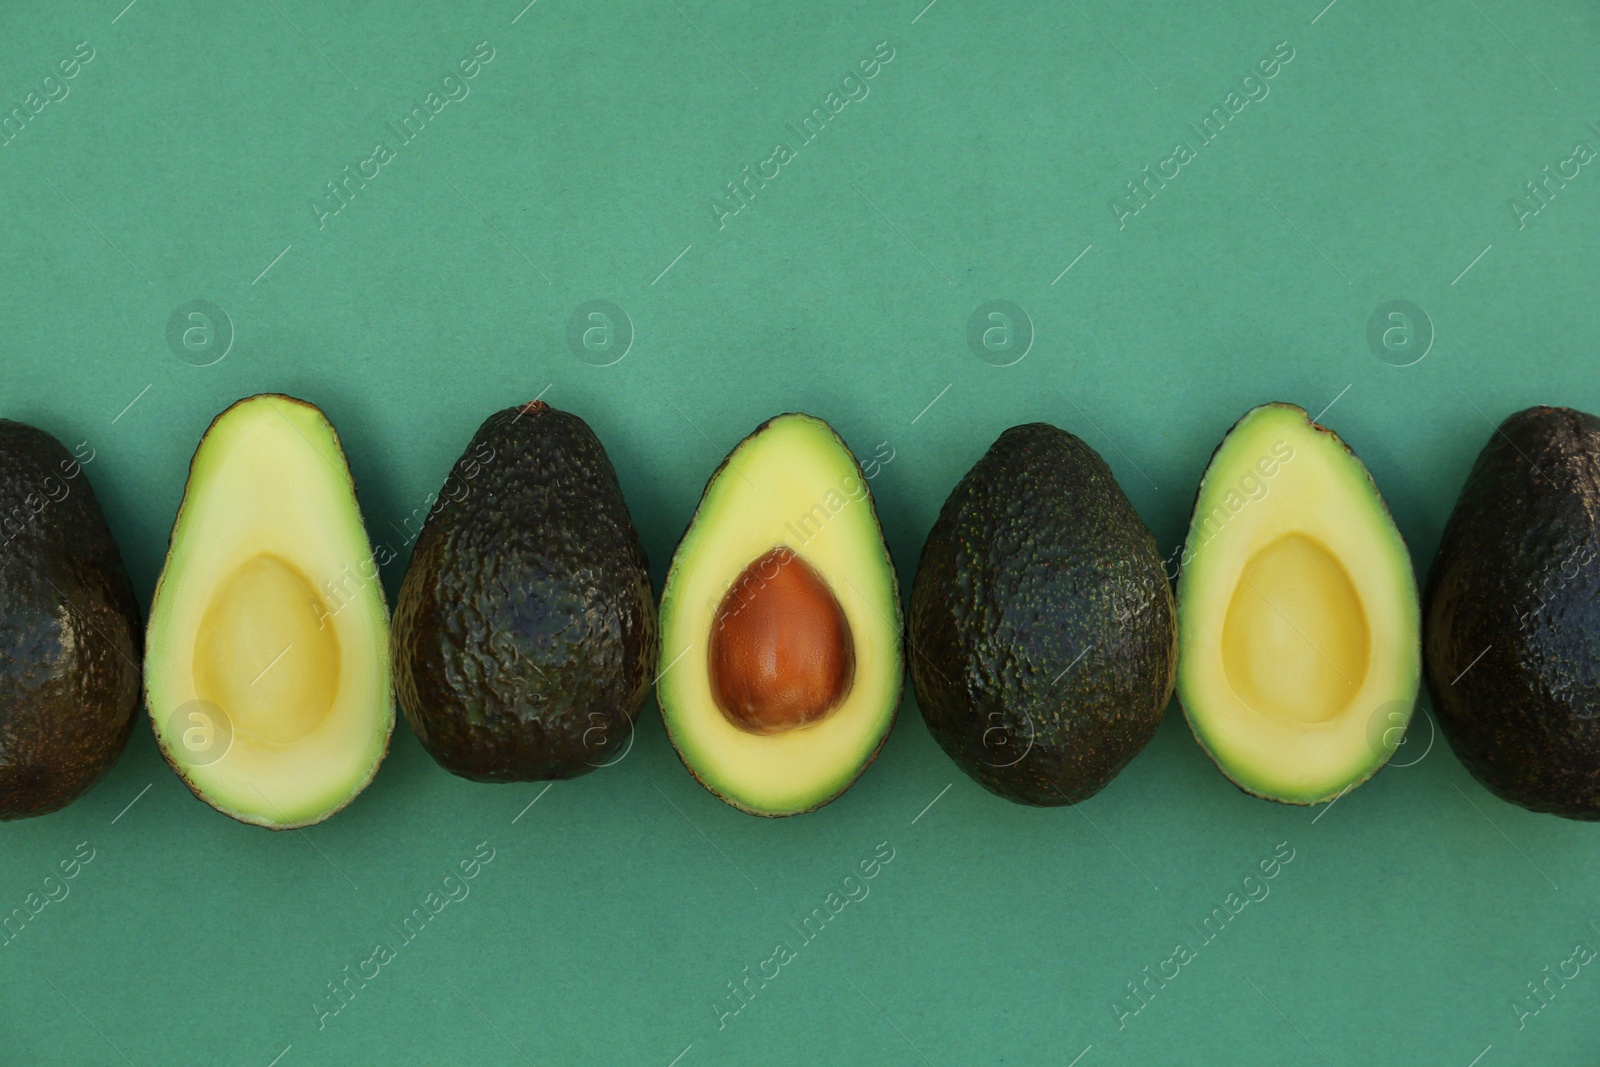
x: 781, y: 652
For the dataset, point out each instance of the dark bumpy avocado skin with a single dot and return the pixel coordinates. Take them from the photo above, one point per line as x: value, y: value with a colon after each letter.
x: 1514, y: 603
x: 525, y: 633
x: 70, y: 639
x: 1042, y: 638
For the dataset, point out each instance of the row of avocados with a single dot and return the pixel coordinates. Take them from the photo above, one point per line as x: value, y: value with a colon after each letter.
x: 1045, y: 639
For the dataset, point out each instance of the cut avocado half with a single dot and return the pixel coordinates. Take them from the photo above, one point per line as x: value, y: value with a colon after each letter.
x: 780, y: 625
x: 1298, y: 624
x: 267, y: 656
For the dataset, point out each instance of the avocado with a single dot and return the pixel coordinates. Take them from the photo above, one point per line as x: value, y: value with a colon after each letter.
x: 267, y: 663
x: 1042, y: 639
x: 525, y: 629
x: 1299, y: 637
x: 1513, y: 623
x: 69, y: 628
x: 781, y: 625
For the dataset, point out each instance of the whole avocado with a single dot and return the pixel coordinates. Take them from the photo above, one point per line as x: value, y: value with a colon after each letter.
x: 70, y: 639
x: 1512, y: 631
x: 525, y: 633
x: 1042, y: 638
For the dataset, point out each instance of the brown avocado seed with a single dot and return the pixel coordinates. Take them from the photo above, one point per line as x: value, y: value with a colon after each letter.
x: 781, y: 652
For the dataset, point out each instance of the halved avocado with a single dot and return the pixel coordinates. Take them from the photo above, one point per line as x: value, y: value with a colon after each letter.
x: 1299, y: 647
x: 267, y: 657
x: 780, y: 625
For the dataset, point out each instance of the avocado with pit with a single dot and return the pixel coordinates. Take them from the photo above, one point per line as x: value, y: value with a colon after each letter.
x: 1513, y: 615
x: 267, y: 663
x: 781, y: 625
x: 1299, y: 629
x: 1042, y: 639
x: 525, y: 632
x: 69, y: 628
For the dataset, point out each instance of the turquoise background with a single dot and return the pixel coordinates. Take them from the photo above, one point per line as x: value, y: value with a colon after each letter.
x: 582, y: 166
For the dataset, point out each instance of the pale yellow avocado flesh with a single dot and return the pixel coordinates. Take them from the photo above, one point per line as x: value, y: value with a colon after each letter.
x: 1294, y: 643
x: 1298, y: 623
x: 267, y: 664
x: 792, y: 483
